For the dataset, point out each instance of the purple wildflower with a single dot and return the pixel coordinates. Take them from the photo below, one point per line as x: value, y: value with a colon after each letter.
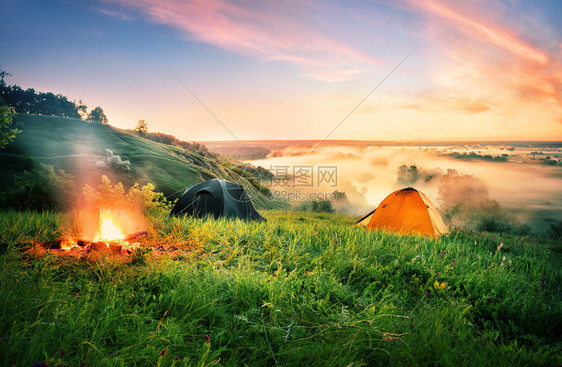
x: 62, y: 352
x: 176, y: 358
x: 207, y: 339
x: 162, y: 352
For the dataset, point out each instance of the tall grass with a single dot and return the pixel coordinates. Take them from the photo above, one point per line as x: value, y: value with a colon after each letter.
x: 300, y: 289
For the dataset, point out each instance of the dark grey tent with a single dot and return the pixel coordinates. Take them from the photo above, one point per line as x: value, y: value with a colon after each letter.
x: 216, y: 198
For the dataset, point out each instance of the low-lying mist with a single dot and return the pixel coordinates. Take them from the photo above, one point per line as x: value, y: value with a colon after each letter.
x: 530, y: 192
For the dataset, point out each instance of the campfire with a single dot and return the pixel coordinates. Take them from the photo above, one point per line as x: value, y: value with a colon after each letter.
x: 109, y: 236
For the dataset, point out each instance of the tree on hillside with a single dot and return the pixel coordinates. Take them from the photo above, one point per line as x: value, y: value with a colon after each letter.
x: 97, y: 115
x: 81, y: 109
x: 3, y: 74
x: 142, y: 127
x: 7, y: 132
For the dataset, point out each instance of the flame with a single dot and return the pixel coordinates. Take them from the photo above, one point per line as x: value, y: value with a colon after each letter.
x: 108, y: 231
x: 68, y: 243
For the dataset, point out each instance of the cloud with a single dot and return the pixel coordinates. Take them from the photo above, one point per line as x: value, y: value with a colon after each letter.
x: 332, y: 76
x: 282, y: 31
x: 113, y: 13
x: 466, y: 21
x: 484, y: 58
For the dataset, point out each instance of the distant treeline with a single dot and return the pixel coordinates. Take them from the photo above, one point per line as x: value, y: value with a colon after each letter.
x: 472, y: 156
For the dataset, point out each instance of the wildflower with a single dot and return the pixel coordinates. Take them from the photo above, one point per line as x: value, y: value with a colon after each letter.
x: 62, y: 352
x: 162, y: 352
x: 83, y: 364
x: 4, y: 339
x: 542, y: 283
x: 387, y: 337
x: 438, y: 286
x: 499, y: 247
x: 207, y: 339
x: 39, y: 364
x: 176, y: 358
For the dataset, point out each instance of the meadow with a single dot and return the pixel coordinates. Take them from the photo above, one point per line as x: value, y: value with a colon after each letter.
x: 302, y: 289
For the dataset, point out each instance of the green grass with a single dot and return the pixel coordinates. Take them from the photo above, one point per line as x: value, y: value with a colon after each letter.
x: 300, y: 289
x: 76, y: 146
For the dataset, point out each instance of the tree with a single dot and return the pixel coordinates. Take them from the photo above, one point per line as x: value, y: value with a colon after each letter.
x: 7, y: 133
x: 3, y: 74
x: 322, y: 206
x: 81, y: 109
x: 97, y: 115
x: 339, y: 195
x: 142, y: 127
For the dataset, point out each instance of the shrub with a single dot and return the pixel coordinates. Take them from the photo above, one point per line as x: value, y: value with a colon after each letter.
x: 113, y: 195
x: 39, y: 189
x: 324, y: 206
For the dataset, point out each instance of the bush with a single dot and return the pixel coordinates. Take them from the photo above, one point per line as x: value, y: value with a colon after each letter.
x: 324, y: 206
x: 39, y: 189
x: 7, y: 132
x: 113, y: 195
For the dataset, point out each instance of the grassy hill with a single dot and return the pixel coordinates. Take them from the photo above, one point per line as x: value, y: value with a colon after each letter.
x: 78, y: 147
x: 301, y: 289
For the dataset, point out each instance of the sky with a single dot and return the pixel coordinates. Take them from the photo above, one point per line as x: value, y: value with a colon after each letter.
x: 403, y: 70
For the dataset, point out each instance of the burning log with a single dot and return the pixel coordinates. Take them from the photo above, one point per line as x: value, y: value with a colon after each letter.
x: 136, y: 235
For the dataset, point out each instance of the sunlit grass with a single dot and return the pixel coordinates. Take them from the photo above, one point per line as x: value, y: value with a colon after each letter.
x: 299, y: 289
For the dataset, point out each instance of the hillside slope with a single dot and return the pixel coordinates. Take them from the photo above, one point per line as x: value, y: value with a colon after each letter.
x: 79, y: 148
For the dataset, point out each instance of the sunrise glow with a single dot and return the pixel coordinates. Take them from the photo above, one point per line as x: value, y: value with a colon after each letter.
x: 484, y: 70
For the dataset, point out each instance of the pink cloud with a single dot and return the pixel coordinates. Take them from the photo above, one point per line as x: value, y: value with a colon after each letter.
x: 267, y: 30
x: 481, y: 51
x: 466, y: 21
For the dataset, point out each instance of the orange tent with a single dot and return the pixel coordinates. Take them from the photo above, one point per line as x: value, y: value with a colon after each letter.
x: 406, y: 211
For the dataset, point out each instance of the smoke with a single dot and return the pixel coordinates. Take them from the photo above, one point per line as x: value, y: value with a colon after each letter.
x: 111, y: 160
